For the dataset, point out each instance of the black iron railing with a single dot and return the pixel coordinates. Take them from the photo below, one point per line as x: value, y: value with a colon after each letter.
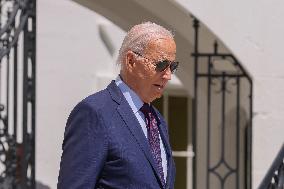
x: 274, y: 178
x: 17, y: 93
x: 222, y: 119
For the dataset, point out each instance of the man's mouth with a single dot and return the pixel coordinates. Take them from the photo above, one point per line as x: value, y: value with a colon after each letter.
x: 159, y: 86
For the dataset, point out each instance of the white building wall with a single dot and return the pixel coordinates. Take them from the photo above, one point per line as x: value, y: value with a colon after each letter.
x: 253, y: 31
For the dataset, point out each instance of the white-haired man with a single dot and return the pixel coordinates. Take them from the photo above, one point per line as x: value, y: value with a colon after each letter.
x: 115, y: 138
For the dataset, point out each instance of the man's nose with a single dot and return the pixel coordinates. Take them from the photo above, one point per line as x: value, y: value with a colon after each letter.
x: 167, y: 74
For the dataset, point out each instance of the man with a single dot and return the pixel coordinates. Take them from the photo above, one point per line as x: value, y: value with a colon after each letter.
x: 115, y: 138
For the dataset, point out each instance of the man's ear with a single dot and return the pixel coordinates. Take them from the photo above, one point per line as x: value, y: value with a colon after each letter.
x: 130, y: 59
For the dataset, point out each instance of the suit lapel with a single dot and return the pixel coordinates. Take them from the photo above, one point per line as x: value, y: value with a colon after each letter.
x: 133, y: 125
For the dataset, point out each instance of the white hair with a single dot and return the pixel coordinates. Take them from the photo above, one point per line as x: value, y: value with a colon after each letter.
x: 138, y: 37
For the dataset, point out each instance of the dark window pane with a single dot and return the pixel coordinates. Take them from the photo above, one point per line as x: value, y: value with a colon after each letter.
x: 180, y: 182
x: 177, y: 113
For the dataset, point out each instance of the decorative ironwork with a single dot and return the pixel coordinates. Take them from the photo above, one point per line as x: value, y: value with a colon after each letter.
x: 222, y: 120
x: 17, y: 93
x: 274, y: 178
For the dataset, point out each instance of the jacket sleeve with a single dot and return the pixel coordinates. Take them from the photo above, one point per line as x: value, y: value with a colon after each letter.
x: 84, y: 149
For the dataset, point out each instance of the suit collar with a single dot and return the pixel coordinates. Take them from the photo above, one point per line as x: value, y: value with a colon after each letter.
x: 115, y: 92
x: 132, y: 98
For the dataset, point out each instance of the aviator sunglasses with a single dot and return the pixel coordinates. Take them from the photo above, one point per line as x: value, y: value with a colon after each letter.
x: 163, y: 64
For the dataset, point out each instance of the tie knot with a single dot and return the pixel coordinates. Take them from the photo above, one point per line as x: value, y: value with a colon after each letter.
x: 145, y: 109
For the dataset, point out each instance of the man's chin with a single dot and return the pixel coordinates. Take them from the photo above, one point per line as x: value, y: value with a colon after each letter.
x: 156, y: 97
x: 159, y: 96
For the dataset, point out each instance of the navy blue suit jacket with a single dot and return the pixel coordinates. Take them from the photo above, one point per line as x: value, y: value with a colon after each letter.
x: 104, y: 147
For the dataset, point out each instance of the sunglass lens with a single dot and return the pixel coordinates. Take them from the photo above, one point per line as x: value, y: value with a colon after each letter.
x: 174, y: 66
x: 162, y: 65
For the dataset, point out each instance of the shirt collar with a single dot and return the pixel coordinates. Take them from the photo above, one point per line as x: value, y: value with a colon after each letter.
x: 131, y: 97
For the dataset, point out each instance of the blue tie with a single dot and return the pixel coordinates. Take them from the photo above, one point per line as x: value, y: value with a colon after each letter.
x: 153, y: 137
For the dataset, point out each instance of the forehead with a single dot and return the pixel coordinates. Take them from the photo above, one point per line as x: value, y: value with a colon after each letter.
x: 161, y: 48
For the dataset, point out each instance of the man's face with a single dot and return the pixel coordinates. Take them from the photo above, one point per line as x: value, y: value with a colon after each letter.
x: 148, y: 83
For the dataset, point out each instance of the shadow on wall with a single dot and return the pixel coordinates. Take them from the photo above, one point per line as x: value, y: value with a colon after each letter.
x: 40, y: 185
